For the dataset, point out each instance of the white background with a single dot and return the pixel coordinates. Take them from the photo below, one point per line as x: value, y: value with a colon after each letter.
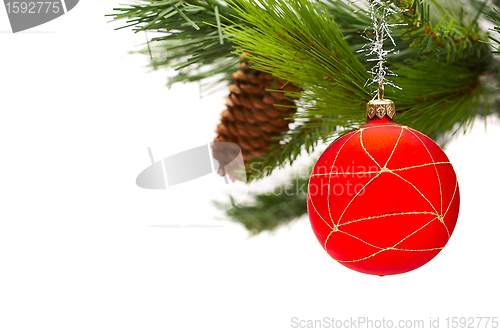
x: 77, y: 250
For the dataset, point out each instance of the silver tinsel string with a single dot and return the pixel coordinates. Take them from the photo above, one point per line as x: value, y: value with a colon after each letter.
x: 379, y: 11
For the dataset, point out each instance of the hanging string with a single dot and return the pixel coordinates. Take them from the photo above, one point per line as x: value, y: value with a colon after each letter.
x: 379, y: 11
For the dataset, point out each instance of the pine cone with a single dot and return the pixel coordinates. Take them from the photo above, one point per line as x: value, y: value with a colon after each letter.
x: 251, y: 118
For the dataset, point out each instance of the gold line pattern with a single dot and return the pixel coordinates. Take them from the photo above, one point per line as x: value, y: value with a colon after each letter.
x: 357, y: 194
x: 452, y: 198
x: 411, y: 184
x: 395, y: 145
x: 394, y: 246
x: 319, y: 214
x: 388, y: 215
x: 437, y: 173
x: 376, y: 172
x: 330, y: 178
x: 335, y: 227
x: 357, y: 238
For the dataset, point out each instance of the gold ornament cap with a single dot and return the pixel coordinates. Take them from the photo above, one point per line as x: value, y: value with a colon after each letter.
x: 380, y: 108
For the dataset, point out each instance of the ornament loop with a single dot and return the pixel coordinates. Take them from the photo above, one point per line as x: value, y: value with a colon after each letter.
x: 380, y: 87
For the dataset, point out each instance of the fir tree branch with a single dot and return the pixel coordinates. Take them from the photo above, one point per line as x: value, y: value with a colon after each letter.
x: 495, y: 18
x: 195, y: 54
x: 451, y: 36
x: 306, y: 47
x: 294, y: 40
x: 277, y: 32
x: 437, y: 97
x: 191, y: 43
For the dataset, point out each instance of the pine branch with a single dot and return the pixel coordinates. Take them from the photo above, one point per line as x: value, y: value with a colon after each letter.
x: 198, y: 54
x: 453, y: 36
x: 306, y: 47
x: 495, y: 18
x: 438, y: 98
x: 301, y: 45
x: 192, y: 43
x: 213, y: 76
x: 489, y: 8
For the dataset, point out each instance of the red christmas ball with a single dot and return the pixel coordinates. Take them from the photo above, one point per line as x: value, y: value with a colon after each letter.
x: 383, y: 199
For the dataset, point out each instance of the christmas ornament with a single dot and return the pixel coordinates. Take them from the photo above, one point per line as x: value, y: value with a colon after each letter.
x: 252, y: 118
x: 383, y: 199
